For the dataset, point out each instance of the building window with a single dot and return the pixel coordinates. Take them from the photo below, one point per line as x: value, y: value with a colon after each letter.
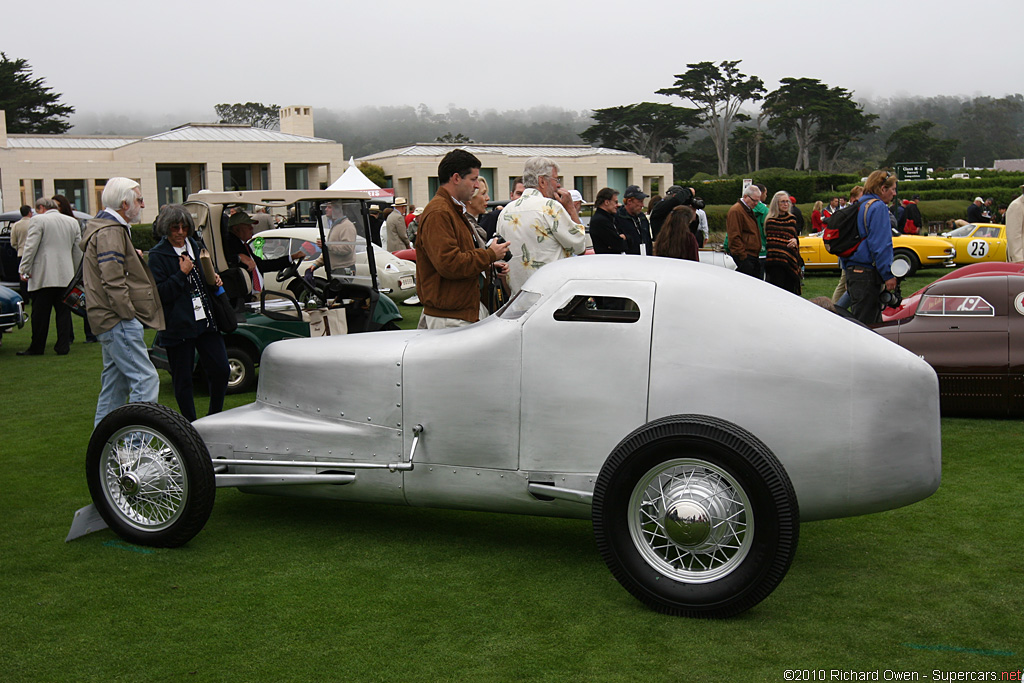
x: 75, y: 191
x: 585, y: 185
x: 618, y: 179
x: 488, y: 175
x: 296, y: 177
x: 31, y: 190
x: 432, y: 185
x: 237, y: 177
x: 172, y: 186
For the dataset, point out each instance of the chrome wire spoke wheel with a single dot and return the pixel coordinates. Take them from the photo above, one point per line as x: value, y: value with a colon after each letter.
x: 691, y: 520
x: 143, y: 478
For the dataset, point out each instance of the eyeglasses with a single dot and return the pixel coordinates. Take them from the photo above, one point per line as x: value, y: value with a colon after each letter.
x: 178, y: 227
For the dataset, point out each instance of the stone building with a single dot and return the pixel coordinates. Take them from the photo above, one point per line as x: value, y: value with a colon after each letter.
x: 412, y: 170
x: 169, y: 165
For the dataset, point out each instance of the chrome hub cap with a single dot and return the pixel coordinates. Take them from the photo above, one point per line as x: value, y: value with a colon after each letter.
x: 691, y: 520
x: 143, y: 478
x: 687, y: 523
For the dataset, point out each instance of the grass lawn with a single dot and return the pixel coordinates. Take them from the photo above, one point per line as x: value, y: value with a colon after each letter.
x: 286, y: 589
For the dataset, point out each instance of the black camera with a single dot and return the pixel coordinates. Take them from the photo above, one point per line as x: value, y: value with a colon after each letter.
x: 685, y: 197
x: 508, y: 254
x: 891, y: 299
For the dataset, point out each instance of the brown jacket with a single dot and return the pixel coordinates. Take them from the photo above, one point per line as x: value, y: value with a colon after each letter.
x: 448, y: 263
x: 744, y: 236
x: 118, y: 284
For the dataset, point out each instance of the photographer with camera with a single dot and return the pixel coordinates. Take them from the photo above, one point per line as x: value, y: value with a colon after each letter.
x: 676, y: 196
x: 869, y: 267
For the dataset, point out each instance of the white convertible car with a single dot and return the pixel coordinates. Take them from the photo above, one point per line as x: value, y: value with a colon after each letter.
x: 656, y: 397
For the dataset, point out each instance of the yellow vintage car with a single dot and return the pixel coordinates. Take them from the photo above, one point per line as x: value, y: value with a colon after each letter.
x: 977, y: 242
x: 919, y: 251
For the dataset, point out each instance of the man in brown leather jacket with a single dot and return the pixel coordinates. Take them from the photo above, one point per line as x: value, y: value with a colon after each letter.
x: 448, y: 262
x: 743, y: 233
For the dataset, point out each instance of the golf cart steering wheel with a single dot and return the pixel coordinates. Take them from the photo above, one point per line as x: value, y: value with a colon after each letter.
x: 290, y: 271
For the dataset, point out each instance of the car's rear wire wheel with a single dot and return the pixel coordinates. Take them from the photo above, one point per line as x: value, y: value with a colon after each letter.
x: 695, y: 517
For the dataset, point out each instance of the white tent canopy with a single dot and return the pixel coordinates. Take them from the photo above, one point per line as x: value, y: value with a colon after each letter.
x: 354, y: 179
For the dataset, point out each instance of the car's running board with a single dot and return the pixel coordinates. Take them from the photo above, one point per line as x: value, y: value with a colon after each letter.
x: 225, y: 479
x: 549, y: 491
x: 230, y: 480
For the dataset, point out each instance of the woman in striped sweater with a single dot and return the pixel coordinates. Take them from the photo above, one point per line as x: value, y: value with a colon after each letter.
x: 782, y: 267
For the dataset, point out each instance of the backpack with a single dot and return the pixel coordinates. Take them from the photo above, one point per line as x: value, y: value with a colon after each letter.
x: 841, y: 235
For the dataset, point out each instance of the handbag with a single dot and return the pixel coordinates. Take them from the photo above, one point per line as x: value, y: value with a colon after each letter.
x: 74, y: 293
x: 224, y: 315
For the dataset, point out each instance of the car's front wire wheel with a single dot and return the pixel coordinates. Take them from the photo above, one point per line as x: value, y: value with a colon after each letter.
x: 695, y: 517
x: 150, y: 475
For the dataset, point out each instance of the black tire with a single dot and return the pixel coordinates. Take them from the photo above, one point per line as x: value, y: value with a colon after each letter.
x: 910, y: 257
x: 150, y: 475
x: 695, y: 517
x: 241, y: 371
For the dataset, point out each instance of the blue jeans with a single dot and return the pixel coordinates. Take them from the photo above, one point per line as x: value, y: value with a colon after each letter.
x: 128, y: 374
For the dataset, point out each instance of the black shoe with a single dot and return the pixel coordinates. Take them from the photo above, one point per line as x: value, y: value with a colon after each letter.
x: 91, y: 340
x: 62, y: 353
x: 29, y: 352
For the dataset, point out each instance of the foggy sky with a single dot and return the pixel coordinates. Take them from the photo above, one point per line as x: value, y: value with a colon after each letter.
x: 179, y: 59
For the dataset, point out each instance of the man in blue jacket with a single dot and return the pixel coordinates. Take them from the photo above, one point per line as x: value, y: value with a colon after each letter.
x: 870, y: 266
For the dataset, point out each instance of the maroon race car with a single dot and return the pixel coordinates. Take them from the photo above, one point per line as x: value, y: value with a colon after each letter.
x: 909, y: 305
x: 970, y: 329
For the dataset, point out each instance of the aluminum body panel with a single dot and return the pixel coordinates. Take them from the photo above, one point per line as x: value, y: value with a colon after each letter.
x: 584, y: 384
x: 829, y: 398
x: 329, y: 398
x: 354, y: 377
x: 462, y: 385
x: 475, y: 488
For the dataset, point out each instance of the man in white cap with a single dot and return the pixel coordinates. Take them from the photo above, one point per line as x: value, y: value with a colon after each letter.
x: 577, y: 199
x: 1015, y: 230
x: 975, y: 211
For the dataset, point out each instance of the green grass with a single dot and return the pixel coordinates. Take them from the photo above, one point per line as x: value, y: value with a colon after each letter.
x: 286, y: 589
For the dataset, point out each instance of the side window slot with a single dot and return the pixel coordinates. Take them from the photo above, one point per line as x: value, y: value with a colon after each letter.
x: 601, y: 309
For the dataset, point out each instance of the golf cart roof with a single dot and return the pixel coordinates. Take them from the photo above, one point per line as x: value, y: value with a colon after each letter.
x: 284, y: 197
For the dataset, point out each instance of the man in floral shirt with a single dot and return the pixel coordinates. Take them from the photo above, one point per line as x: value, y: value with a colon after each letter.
x: 541, y: 226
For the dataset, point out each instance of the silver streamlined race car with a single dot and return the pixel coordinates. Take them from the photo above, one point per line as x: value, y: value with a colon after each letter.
x: 616, y: 390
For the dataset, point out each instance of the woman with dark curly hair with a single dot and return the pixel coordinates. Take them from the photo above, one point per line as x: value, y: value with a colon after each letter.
x: 188, y: 310
x: 782, y: 267
x: 675, y: 239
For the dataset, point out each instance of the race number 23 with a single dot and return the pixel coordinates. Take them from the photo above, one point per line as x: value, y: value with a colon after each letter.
x: 977, y: 248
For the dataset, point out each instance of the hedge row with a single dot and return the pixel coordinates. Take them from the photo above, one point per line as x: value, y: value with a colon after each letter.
x: 932, y: 211
x: 799, y: 184
x: 142, y: 236
x: 1000, y: 185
